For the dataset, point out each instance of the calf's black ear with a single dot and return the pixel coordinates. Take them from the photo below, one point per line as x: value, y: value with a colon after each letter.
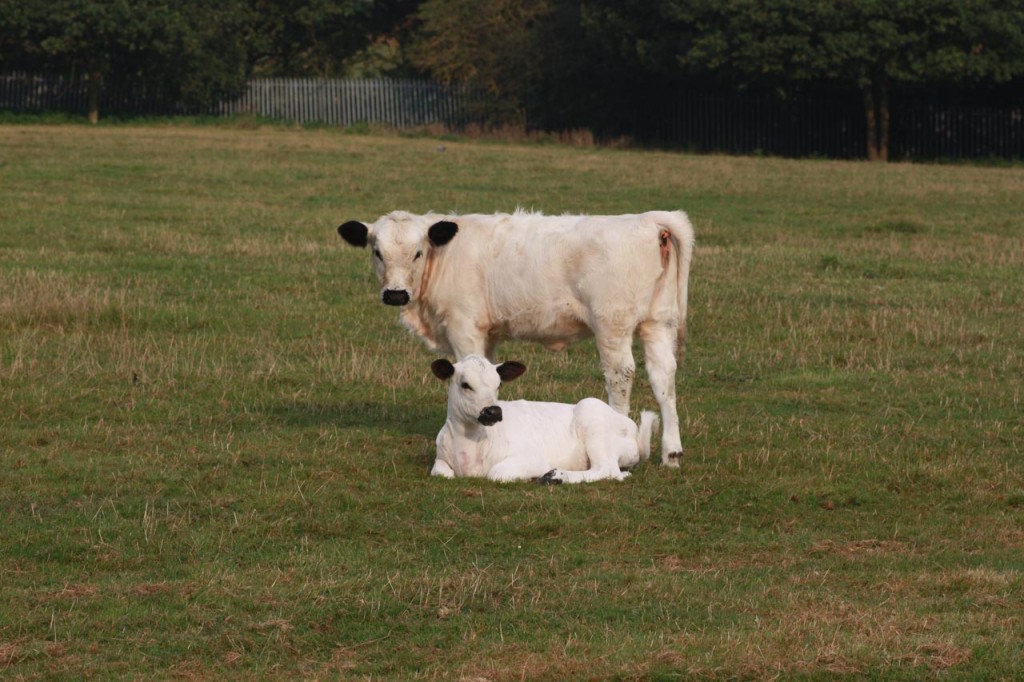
x: 354, y: 232
x: 442, y: 369
x: 510, y: 371
x: 441, y: 233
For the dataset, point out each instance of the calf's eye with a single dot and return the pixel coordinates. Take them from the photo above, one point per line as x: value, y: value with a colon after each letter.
x: 376, y: 252
x: 466, y: 387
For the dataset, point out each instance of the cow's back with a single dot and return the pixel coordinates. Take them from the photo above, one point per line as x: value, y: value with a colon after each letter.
x: 545, y: 278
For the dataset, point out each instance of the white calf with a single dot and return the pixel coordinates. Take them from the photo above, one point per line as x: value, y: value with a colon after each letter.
x: 521, y: 440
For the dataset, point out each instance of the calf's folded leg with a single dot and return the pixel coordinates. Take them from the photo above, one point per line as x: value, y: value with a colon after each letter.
x: 519, y: 468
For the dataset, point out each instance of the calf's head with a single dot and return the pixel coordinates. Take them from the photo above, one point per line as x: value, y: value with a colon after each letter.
x: 473, y: 387
x: 402, y: 244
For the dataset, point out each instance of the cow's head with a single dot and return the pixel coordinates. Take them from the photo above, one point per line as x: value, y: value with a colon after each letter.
x: 473, y: 389
x: 402, y: 244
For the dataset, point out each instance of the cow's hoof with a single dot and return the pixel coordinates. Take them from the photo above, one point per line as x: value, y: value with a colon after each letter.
x: 550, y: 478
x: 673, y: 459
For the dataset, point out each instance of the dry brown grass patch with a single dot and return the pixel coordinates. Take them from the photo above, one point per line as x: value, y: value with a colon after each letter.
x: 78, y: 591
x: 859, y: 548
x: 939, y: 655
x: 55, y: 301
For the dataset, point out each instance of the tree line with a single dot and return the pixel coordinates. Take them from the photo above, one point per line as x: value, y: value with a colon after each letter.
x: 549, y: 64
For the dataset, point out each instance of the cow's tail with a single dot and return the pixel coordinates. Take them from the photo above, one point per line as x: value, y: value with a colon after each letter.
x: 683, y: 239
x: 648, y: 422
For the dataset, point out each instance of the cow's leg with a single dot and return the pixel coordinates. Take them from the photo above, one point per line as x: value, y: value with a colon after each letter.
x: 490, y: 350
x: 603, y: 443
x: 588, y: 476
x: 520, y: 468
x: 466, y: 339
x: 441, y: 468
x: 608, y: 438
x: 627, y: 452
x: 616, y: 351
x: 606, y: 448
x: 659, y: 356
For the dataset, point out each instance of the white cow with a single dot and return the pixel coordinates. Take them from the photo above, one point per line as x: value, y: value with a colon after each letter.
x: 522, y: 440
x: 465, y: 283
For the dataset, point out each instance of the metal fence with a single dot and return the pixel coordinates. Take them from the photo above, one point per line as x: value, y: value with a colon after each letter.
x: 834, y: 128
x: 740, y: 125
x: 403, y: 103
x: 757, y: 125
x: 957, y: 132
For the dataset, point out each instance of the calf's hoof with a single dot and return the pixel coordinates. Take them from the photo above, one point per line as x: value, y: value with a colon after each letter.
x: 550, y: 478
x: 673, y: 459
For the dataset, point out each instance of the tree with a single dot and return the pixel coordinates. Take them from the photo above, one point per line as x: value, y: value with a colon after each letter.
x: 789, y: 47
x: 542, y: 68
x: 187, y: 51
x: 873, y: 45
x: 488, y: 43
x: 323, y: 37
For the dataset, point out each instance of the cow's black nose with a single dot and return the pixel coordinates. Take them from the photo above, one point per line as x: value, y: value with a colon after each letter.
x: 395, y: 297
x: 490, y: 415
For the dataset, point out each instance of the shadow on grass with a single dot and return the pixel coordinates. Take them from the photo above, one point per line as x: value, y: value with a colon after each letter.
x: 420, y: 420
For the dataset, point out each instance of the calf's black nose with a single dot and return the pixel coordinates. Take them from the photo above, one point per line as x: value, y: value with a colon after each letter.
x: 395, y: 297
x: 490, y: 415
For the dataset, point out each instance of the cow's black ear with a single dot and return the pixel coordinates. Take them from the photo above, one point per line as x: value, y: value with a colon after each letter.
x: 354, y: 232
x: 510, y: 371
x: 442, y: 369
x: 441, y: 233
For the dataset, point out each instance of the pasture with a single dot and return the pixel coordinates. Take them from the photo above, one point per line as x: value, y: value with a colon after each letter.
x: 214, y: 441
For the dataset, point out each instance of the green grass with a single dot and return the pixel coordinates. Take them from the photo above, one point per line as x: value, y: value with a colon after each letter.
x: 214, y: 442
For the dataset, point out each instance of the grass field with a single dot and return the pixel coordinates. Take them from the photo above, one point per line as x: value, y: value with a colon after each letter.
x: 214, y: 442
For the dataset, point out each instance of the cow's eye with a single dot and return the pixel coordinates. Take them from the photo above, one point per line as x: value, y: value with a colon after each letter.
x: 417, y: 256
x: 466, y: 387
x: 376, y: 252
